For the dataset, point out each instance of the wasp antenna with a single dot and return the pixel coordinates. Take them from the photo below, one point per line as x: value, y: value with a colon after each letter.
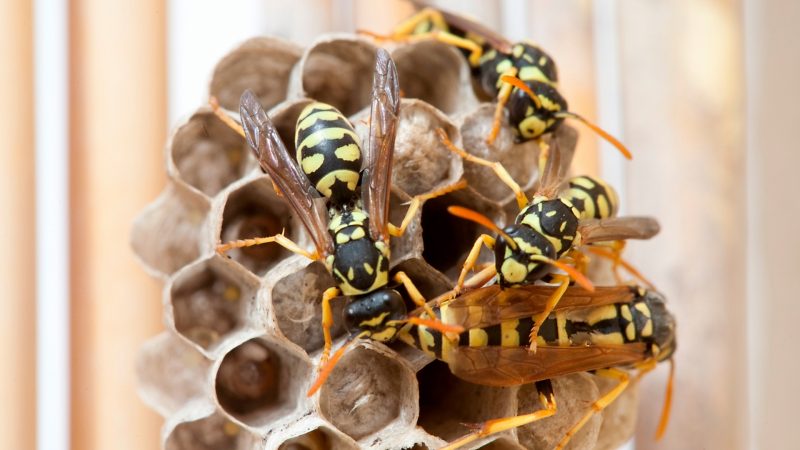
x: 603, y: 133
x: 519, y: 84
x: 480, y: 219
x: 224, y: 117
x: 325, y: 370
x: 664, y: 421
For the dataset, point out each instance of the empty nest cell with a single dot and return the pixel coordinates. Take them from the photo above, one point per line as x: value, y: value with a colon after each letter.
x: 320, y: 438
x: 214, y: 432
x: 261, y: 381
x: 210, y: 301
x: 207, y: 154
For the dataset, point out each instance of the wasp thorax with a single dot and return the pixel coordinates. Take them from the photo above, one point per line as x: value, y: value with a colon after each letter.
x: 528, y: 119
x: 328, y: 151
x: 556, y: 219
x: 492, y: 65
x: 377, y: 313
x: 533, y: 64
x: 358, y: 263
x: 515, y: 262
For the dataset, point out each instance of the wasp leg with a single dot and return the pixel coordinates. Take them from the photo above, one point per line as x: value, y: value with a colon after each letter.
x: 327, y: 322
x: 548, y: 308
x: 600, y: 403
x: 415, y: 203
x: 546, y: 397
x: 502, y: 99
x: 279, y: 239
x: 498, y: 168
x: 615, y: 255
x: 408, y: 26
x: 472, y: 258
x: 414, y: 293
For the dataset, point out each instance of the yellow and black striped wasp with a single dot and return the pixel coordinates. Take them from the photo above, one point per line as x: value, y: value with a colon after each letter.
x: 521, y: 76
x: 343, y: 207
x: 598, y: 331
x: 549, y: 227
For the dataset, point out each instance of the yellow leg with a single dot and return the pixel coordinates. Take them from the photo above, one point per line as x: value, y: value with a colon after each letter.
x: 502, y: 99
x: 493, y: 426
x: 498, y: 168
x: 279, y: 239
x: 548, y: 308
x: 415, y: 203
x: 472, y: 258
x: 408, y: 26
x: 601, y: 403
x: 327, y: 322
x: 614, y: 254
x: 414, y: 293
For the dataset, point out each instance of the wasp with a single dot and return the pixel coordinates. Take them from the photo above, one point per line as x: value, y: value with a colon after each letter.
x: 598, y: 331
x: 549, y: 227
x: 343, y: 207
x: 521, y: 76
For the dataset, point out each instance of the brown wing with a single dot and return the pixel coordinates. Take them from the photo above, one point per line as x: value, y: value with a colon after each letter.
x: 377, y: 175
x: 275, y: 160
x: 490, y: 305
x: 513, y: 366
x: 493, y: 38
x: 618, y: 228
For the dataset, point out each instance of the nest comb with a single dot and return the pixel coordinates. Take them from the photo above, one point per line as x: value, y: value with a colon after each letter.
x: 243, y: 335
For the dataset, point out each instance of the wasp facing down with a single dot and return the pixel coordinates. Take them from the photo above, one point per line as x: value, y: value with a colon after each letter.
x: 344, y: 208
x: 549, y: 227
x: 598, y: 331
x: 521, y: 76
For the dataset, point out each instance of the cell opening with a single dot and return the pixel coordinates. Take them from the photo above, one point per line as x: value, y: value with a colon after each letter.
x: 440, y: 83
x: 211, y: 433
x: 318, y: 439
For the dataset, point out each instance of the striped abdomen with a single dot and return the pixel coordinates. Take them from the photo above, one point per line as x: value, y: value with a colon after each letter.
x: 592, y: 197
x: 328, y: 151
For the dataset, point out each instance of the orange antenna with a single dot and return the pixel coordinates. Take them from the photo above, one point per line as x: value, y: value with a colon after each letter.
x: 480, y: 219
x: 664, y: 421
x: 325, y: 370
x: 224, y: 117
x: 571, y: 271
x: 436, y: 325
x: 603, y: 133
x: 519, y: 84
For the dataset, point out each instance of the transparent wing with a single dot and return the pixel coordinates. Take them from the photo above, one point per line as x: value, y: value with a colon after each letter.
x: 554, y: 172
x: 275, y: 160
x: 377, y: 175
x: 618, y: 228
x: 513, y: 366
x: 490, y: 305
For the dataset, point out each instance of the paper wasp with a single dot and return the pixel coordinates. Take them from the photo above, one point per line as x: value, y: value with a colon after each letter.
x: 599, y: 331
x: 521, y: 76
x: 343, y: 207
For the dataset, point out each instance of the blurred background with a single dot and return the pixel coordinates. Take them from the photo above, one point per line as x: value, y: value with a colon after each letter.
x: 704, y: 92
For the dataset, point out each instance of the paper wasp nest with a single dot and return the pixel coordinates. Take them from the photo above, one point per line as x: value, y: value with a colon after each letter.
x: 243, y: 333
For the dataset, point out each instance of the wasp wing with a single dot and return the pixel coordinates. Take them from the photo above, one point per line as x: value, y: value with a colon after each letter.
x: 275, y: 160
x: 491, y: 305
x: 618, y: 228
x: 513, y: 366
x: 377, y: 175
x: 554, y: 171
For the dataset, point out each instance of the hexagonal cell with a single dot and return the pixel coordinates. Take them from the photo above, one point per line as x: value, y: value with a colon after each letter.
x: 444, y: 82
x: 212, y: 433
x: 448, y: 239
x: 574, y: 395
x: 502, y: 444
x: 446, y: 403
x: 296, y: 303
x: 369, y: 391
x: 207, y: 154
x: 321, y: 438
x: 210, y: 301
x: 261, y: 381
x: 261, y: 64
x: 520, y: 160
x: 337, y: 70
x: 255, y: 210
x: 169, y: 233
x: 170, y: 373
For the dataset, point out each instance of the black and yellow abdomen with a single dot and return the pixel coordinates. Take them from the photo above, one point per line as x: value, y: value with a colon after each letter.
x: 592, y: 197
x: 328, y: 152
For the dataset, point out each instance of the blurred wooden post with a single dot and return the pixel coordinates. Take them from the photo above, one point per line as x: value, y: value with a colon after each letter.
x: 683, y: 88
x: 17, y: 268
x: 118, y: 110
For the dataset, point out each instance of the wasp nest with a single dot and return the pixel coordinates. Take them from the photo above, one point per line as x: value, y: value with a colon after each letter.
x: 243, y: 337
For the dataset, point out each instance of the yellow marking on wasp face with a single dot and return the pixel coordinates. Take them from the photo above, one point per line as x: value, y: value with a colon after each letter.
x: 384, y: 335
x: 368, y: 268
x: 630, y: 331
x: 513, y: 271
x: 614, y: 338
x: 374, y: 321
x: 509, y: 334
x: 531, y: 126
x: 478, y: 337
x: 318, y: 136
x: 346, y: 176
x: 311, y: 164
x: 532, y: 73
x: 647, y: 330
x: 349, y: 152
x: 625, y: 310
x: 317, y: 115
x: 601, y: 313
x: 561, y: 327
x: 643, y: 308
x: 351, y: 275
